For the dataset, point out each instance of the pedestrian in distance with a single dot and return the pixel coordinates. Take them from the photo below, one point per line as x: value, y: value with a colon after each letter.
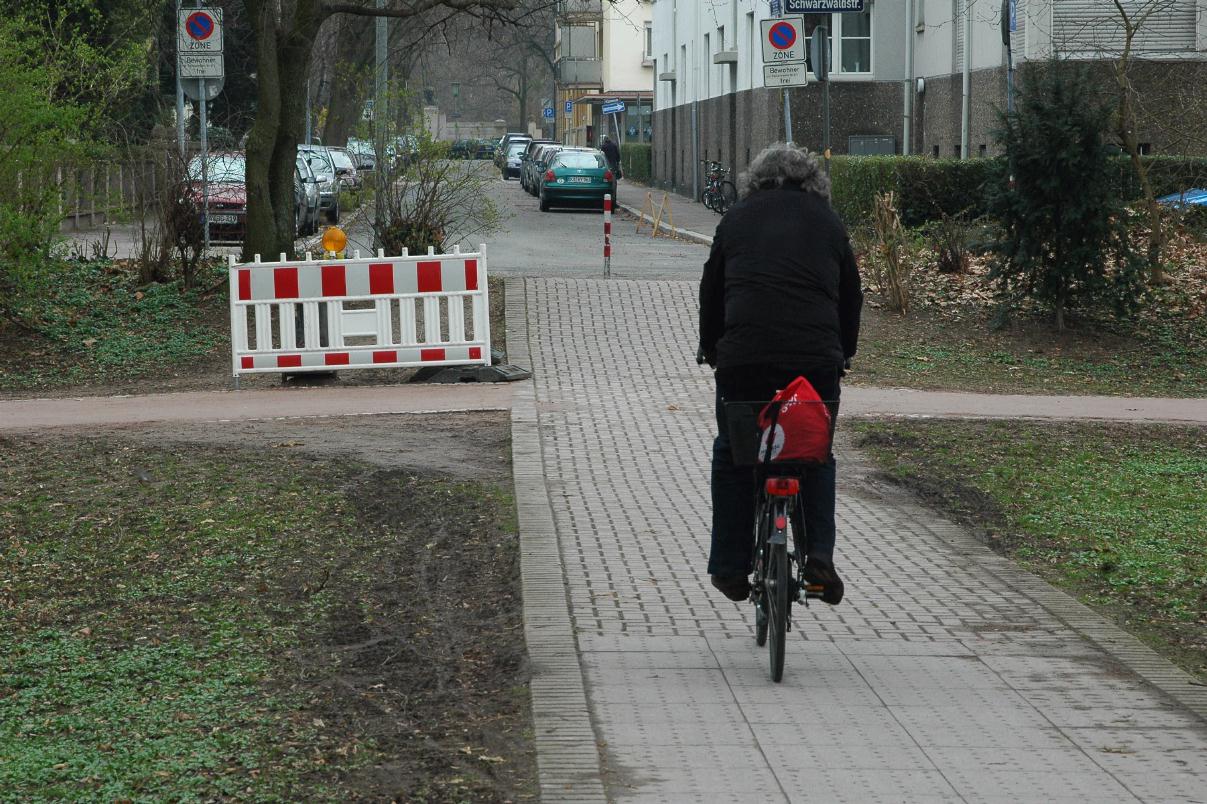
x: 611, y: 152
x: 780, y: 298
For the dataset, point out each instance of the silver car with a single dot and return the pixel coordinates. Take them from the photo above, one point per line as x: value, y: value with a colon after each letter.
x: 511, y: 159
x: 329, y: 181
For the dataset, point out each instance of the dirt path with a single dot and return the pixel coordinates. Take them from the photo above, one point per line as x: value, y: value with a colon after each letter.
x: 285, y: 403
x: 223, y: 406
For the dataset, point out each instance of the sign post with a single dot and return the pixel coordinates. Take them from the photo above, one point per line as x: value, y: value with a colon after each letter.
x: 784, y: 60
x: 819, y: 54
x: 613, y: 108
x: 200, y: 72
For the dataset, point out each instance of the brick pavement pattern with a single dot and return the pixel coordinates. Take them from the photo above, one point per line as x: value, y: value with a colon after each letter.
x: 947, y: 674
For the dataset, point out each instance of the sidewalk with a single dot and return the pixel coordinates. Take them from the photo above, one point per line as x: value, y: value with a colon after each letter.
x: 946, y: 675
x: 692, y: 220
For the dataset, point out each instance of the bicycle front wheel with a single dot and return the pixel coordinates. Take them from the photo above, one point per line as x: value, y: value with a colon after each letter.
x: 779, y: 582
x: 727, y: 196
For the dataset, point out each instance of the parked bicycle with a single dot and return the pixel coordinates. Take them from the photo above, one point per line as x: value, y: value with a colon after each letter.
x: 719, y: 193
x: 780, y: 543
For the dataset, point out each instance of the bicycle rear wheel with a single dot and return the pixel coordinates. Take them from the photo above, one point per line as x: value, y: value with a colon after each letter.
x: 779, y: 583
x: 760, y: 582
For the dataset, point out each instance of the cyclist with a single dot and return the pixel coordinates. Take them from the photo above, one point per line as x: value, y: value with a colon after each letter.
x: 780, y: 298
x: 611, y: 152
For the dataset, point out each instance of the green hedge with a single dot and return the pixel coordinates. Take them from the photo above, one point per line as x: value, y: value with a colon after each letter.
x: 928, y: 188
x: 635, y: 161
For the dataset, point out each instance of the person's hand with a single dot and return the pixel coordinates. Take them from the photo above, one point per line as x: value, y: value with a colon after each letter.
x: 703, y: 357
x: 846, y: 366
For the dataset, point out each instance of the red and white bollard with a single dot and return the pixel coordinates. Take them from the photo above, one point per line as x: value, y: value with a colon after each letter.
x: 607, y: 236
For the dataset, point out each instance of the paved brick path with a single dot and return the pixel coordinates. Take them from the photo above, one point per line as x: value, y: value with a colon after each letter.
x: 946, y: 675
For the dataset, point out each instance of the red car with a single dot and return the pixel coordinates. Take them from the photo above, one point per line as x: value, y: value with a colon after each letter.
x: 226, y: 178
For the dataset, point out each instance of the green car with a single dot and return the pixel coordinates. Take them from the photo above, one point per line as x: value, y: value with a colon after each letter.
x: 576, y: 177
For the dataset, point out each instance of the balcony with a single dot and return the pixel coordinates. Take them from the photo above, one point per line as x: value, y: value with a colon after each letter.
x: 569, y: 10
x: 579, y: 72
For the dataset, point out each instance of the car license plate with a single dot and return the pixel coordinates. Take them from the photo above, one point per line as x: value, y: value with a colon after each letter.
x: 223, y: 219
x: 579, y: 179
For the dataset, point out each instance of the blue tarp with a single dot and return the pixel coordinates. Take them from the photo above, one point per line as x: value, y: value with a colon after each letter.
x: 1196, y: 196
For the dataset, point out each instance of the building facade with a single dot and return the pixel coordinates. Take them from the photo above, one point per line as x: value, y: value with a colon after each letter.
x: 896, y: 75
x: 602, y: 52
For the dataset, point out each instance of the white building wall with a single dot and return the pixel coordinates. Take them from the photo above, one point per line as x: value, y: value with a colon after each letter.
x: 624, y: 46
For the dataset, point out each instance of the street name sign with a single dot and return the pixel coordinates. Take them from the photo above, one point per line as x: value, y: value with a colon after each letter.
x: 823, y: 6
x: 783, y: 40
x: 613, y: 107
x: 792, y: 74
x: 200, y: 65
x: 199, y: 30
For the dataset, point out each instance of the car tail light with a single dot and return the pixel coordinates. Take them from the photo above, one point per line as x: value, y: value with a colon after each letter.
x: 549, y: 175
x: 783, y: 486
x: 607, y: 175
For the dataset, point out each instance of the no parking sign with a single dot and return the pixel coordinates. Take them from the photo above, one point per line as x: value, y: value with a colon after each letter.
x: 783, y: 40
x: 199, y: 30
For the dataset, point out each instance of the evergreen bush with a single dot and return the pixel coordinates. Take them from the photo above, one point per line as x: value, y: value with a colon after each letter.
x: 1063, y: 227
x: 635, y: 161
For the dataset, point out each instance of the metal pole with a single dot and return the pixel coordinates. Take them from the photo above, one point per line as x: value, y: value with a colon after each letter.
x: 607, y: 236
x: 179, y: 97
x: 966, y: 114
x: 308, y: 129
x: 825, y: 122
x: 205, y: 158
x: 787, y: 103
x: 379, y: 124
x: 908, y: 100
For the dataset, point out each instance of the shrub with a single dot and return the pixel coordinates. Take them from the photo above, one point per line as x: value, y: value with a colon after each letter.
x: 889, y: 270
x: 1064, y: 232
x: 635, y: 161
x: 926, y: 189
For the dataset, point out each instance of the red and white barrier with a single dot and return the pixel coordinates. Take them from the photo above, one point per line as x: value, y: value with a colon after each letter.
x: 607, y: 217
x: 359, y: 313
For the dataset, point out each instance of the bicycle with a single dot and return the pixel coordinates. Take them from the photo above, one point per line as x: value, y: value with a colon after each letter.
x: 719, y: 193
x: 780, y: 537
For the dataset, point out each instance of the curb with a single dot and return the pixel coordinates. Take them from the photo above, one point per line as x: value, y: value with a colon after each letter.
x: 567, y: 753
x: 686, y: 234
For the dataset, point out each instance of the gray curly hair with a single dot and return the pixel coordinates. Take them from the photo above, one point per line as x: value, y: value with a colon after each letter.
x: 779, y: 164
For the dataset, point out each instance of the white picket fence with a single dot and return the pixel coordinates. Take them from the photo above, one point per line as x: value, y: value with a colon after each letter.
x: 320, y: 315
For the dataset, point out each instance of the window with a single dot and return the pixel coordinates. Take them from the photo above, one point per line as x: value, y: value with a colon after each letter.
x: 983, y: 151
x: 935, y: 152
x: 707, y: 56
x: 647, y: 54
x: 853, y: 33
x: 856, y: 42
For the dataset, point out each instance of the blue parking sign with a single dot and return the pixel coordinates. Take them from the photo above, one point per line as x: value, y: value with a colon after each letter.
x: 569, y: 108
x: 548, y: 112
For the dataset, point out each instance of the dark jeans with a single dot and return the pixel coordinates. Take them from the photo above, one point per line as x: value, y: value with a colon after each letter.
x: 733, y: 492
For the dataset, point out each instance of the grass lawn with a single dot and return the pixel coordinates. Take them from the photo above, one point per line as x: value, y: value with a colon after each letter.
x: 948, y: 340
x: 201, y: 623
x: 1114, y: 514
x: 104, y: 334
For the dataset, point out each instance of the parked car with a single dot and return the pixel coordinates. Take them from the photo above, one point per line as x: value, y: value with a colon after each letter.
x: 485, y: 149
x: 537, y: 164
x: 345, y: 168
x: 511, y: 162
x: 225, y: 175
x: 311, y: 213
x: 576, y: 177
x: 362, y: 154
x: 525, y: 156
x: 501, y: 150
x: 462, y: 149
x: 328, y: 180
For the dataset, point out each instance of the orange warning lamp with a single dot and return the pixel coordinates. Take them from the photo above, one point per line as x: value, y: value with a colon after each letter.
x: 334, y: 239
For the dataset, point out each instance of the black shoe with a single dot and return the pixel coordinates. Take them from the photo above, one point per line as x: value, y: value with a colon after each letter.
x: 821, y: 572
x: 734, y: 587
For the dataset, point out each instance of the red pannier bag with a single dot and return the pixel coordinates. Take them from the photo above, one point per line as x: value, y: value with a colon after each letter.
x: 802, y: 428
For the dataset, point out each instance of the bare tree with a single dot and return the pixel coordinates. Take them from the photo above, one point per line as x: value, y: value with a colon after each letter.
x: 285, y: 32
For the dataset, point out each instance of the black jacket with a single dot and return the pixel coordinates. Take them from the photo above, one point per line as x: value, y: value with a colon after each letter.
x: 781, y: 285
x: 612, y: 152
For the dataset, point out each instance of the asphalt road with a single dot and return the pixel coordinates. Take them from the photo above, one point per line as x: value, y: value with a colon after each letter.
x: 564, y: 242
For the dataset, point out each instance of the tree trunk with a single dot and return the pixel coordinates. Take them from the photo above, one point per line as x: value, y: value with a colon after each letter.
x: 348, y: 78
x: 272, y: 145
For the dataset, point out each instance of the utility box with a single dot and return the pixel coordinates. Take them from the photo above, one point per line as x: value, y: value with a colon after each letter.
x: 871, y: 145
